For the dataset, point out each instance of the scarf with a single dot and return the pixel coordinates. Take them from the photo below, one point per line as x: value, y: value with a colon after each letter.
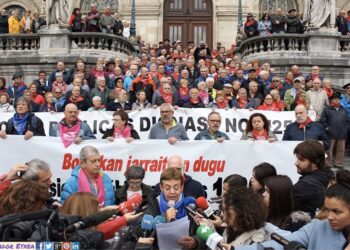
x: 68, y: 134
x: 303, y: 125
x: 249, y: 23
x: 271, y: 107
x: 194, y: 101
x: 204, y: 96
x: 242, y: 102
x: 179, y: 206
x: 78, y: 99
x: 168, y: 98
x: 183, y: 92
x: 328, y: 91
x: 334, y: 104
x: 85, y: 185
x: 280, y: 105
x: 222, y: 104
x: 20, y: 123
x: 99, y: 74
x: 122, y: 133
x: 259, y: 135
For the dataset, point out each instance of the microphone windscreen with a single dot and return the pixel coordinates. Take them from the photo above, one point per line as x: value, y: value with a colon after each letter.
x: 131, y: 204
x: 189, y: 200
x: 202, y: 203
x: 203, y: 232
x: 147, y: 222
x: 158, y: 220
x: 171, y: 203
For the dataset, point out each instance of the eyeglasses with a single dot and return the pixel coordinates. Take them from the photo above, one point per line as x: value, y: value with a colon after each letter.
x: 117, y: 120
x: 166, y: 88
x: 275, y: 80
x: 268, y: 98
x: 58, y: 92
x: 135, y: 184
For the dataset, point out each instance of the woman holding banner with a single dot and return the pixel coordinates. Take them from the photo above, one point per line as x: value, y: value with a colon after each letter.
x: 121, y: 129
x: 258, y: 129
x: 23, y: 122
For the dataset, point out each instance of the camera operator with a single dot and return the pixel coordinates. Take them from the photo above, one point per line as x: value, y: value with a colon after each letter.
x: 201, y: 52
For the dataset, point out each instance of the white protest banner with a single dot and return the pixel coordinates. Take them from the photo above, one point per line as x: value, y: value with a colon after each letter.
x: 194, y: 120
x: 206, y: 161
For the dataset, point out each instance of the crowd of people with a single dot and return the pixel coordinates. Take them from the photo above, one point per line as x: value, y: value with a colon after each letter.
x: 172, y: 76
x: 314, y: 211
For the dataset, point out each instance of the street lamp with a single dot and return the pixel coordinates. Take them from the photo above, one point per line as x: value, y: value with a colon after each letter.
x: 133, y: 21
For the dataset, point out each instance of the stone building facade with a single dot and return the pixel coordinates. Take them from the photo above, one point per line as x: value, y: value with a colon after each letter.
x: 188, y: 20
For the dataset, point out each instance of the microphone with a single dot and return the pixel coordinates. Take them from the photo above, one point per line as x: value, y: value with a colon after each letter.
x: 147, y: 224
x: 202, y: 203
x: 91, y: 221
x: 158, y: 220
x: 130, y: 205
x: 212, y: 239
x: 171, y: 204
x: 288, y: 245
x: 215, y: 199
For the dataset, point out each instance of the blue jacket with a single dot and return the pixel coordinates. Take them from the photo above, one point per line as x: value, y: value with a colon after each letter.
x: 345, y: 102
x: 313, y: 131
x: 317, y: 235
x: 71, y: 187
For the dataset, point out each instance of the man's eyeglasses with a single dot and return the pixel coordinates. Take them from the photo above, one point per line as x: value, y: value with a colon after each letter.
x: 58, y: 92
x: 275, y: 80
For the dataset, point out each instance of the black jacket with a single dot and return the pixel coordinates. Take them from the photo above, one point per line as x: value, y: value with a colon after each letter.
x: 4, y: 24
x: 34, y: 124
x: 109, y: 132
x: 309, y: 190
x: 294, y: 25
x: 335, y: 122
x: 192, y: 188
x: 121, y: 193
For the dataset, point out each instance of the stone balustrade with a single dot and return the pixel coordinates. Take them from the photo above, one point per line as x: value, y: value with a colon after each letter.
x: 105, y: 45
x: 277, y: 43
x: 344, y: 44
x: 100, y: 41
x: 21, y: 42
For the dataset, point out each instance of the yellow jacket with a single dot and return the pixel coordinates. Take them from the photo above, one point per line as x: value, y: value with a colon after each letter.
x: 14, y: 26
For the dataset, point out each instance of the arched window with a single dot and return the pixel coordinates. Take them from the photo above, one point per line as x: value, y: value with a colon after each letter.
x: 188, y: 20
x: 11, y: 8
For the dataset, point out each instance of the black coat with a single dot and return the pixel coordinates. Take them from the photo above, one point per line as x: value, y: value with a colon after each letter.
x: 294, y: 25
x: 335, y: 122
x: 121, y: 193
x: 4, y: 24
x: 342, y: 24
x: 309, y: 190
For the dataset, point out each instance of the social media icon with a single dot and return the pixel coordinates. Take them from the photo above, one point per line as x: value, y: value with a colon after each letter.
x: 48, y: 246
x: 75, y: 245
x: 57, y: 246
x: 39, y: 245
x: 66, y: 246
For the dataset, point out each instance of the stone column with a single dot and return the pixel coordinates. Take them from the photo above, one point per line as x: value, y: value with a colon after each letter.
x: 323, y: 42
x: 54, y: 40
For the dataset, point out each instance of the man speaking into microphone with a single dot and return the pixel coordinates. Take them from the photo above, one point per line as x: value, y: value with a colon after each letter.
x: 171, y: 203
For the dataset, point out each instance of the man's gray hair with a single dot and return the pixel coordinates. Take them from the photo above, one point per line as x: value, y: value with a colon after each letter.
x: 34, y: 167
x: 167, y: 105
x: 87, y: 151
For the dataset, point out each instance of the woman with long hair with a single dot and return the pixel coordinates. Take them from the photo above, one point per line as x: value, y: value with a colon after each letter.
x: 75, y: 21
x: 245, y: 215
x: 23, y: 196
x: 260, y: 172
x: 258, y: 129
x: 85, y: 204
x: 279, y: 199
x: 332, y: 233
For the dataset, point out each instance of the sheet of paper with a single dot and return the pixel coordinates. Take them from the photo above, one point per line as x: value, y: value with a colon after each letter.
x: 169, y: 233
